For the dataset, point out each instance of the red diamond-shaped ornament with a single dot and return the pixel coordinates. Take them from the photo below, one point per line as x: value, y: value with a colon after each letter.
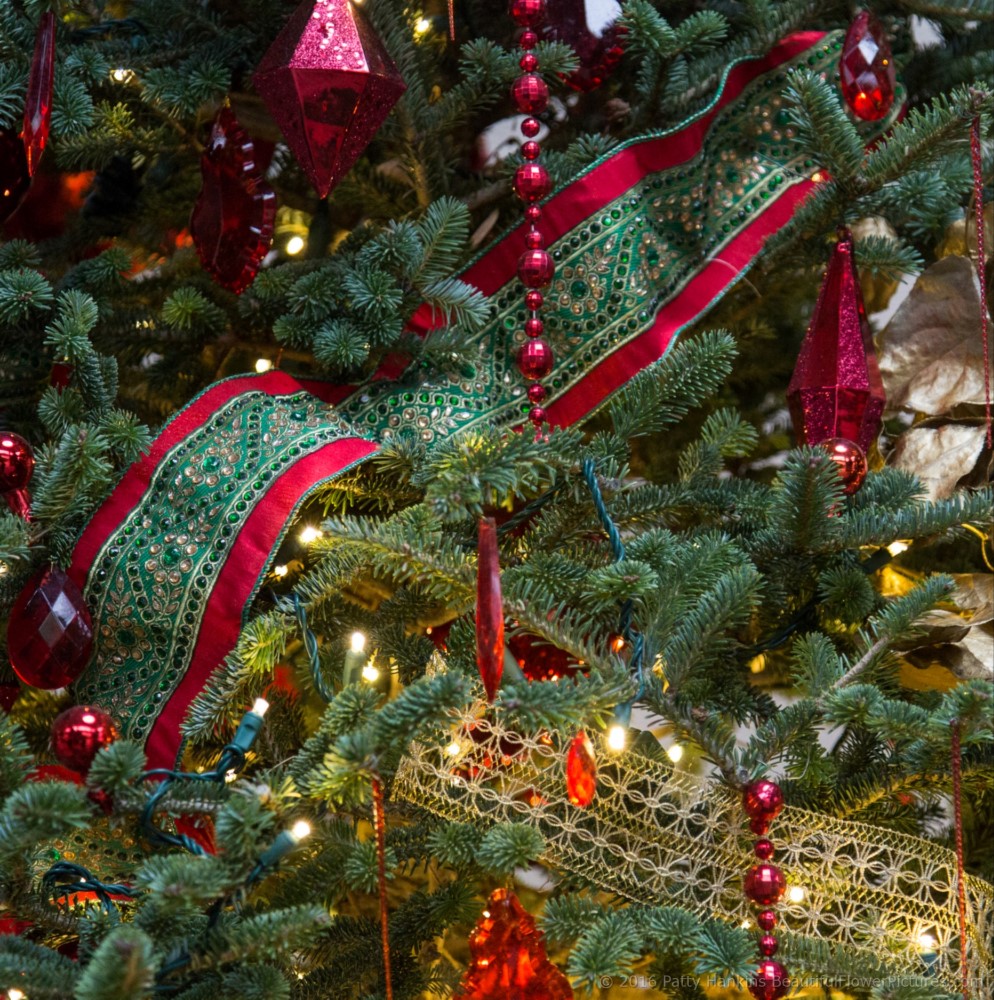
x: 329, y: 83
x: 232, y: 221
x: 866, y: 68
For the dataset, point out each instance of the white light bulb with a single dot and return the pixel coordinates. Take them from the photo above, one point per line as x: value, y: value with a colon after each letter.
x: 309, y: 534
x: 263, y: 365
x: 300, y: 829
x: 358, y: 642
x: 13, y: 994
x: 260, y: 707
x: 796, y: 894
x: 370, y: 673
x: 616, y: 738
x: 896, y: 548
x: 120, y: 74
x: 453, y: 749
x: 280, y: 570
x: 294, y: 245
x: 422, y: 26
x: 675, y: 753
x: 926, y: 941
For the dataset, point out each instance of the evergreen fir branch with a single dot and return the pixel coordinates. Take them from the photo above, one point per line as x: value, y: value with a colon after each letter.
x: 590, y: 699
x: 567, y: 916
x: 974, y: 10
x: 793, y: 725
x: 607, y: 949
x: 724, y: 951
x: 457, y: 302
x: 507, y: 846
x: 22, y: 292
x: 360, y: 868
x: 72, y: 106
x: 255, y: 981
x: 444, y: 234
x: 38, y: 811
x: 889, y: 257
x: 15, y: 540
x: 183, y: 882
x: 25, y: 966
x: 803, y: 497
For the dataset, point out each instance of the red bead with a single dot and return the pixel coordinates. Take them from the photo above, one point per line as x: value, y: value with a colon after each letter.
x: 850, y: 460
x: 763, y: 849
x: 581, y: 771
x: 79, y: 733
x: 534, y: 327
x: 531, y: 182
x: 762, y: 801
x: 529, y: 62
x: 537, y: 415
x: 768, y: 945
x: 508, y: 957
x: 534, y: 359
x: 534, y: 239
x: 17, y: 461
x: 536, y: 393
x: 836, y: 389
x: 531, y: 127
x: 769, y: 981
x: 49, y: 633
x: 765, y: 884
x: 530, y: 94
x: 866, y: 69
x: 232, y: 221
x: 535, y: 268
x: 527, y: 13
x: 14, y: 177
x: 489, y: 609
x: 534, y: 300
x: 528, y: 40
x: 38, y: 102
x: 533, y: 213
x: 767, y: 920
x: 531, y: 150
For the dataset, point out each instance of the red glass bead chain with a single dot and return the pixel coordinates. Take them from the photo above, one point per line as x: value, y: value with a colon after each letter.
x: 765, y: 885
x: 531, y: 185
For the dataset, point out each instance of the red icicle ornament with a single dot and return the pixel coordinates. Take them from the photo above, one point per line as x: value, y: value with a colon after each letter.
x: 581, y: 771
x: 509, y: 961
x: 232, y: 221
x: 866, y: 69
x: 38, y: 103
x: 599, y: 54
x: 489, y: 609
x: 330, y: 84
x: 836, y: 390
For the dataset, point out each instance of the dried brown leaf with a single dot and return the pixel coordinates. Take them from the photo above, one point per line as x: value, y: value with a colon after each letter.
x: 939, y: 456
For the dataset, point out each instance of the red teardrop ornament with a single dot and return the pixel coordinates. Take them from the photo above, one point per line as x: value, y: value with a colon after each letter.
x: 866, y: 69
x: 329, y: 84
x: 599, y: 54
x: 38, y: 103
x: 769, y: 981
x: 765, y: 884
x: 489, y: 609
x: 17, y: 461
x: 581, y: 771
x: 836, y: 389
x: 49, y: 634
x: 14, y: 177
x: 850, y: 460
x: 232, y: 221
x: 79, y: 733
x: 509, y: 961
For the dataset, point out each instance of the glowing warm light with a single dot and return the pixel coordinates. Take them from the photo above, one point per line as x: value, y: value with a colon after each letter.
x: 358, y: 642
x: 796, y: 894
x: 263, y: 365
x: 926, y: 941
x: 309, y: 534
x: 230, y: 776
x: 280, y: 570
x: 260, y: 707
x: 300, y: 829
x: 617, y: 644
x: 745, y: 925
x: 422, y: 26
x: 817, y: 177
x: 14, y: 994
x: 294, y: 245
x: 675, y: 753
x: 4, y: 568
x: 453, y: 749
x: 758, y: 664
x: 616, y: 738
x: 121, y: 75
x: 896, y: 548
x: 89, y: 718
x: 370, y: 673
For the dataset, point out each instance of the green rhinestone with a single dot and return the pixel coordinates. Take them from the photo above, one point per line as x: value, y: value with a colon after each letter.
x: 212, y: 463
x: 578, y: 289
x: 172, y: 555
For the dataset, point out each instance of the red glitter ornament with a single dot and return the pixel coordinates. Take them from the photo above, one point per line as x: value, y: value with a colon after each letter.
x: 538, y: 416
x: 232, y: 221
x: 509, y: 961
x: 79, y: 733
x: 536, y: 268
x: 763, y: 849
x: 49, y: 633
x: 14, y: 177
x: 598, y: 54
x: 534, y: 239
x: 866, y: 69
x: 527, y: 13
x: 762, y: 801
x: 530, y: 93
x: 534, y: 300
x: 850, y: 460
x: 581, y: 771
x: 531, y: 127
x: 768, y: 945
x: 769, y: 981
x: 765, y: 884
x: 330, y: 84
x: 528, y: 39
x: 540, y: 660
x: 17, y: 461
x: 38, y: 102
x: 533, y: 213
x: 836, y: 389
x: 531, y: 150
x: 489, y: 609
x: 767, y: 920
x: 529, y: 62
x: 534, y: 359
x: 534, y: 327
x: 536, y: 392
x: 531, y: 182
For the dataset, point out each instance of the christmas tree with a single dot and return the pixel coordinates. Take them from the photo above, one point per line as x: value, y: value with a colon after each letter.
x: 497, y: 498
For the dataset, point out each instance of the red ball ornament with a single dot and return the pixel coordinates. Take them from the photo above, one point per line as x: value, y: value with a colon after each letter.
x: 866, y: 69
x: 534, y: 300
x: 537, y: 392
x: 533, y: 213
x: 527, y: 13
x: 765, y: 884
x: 581, y: 771
x: 60, y: 375
x: 540, y: 660
x: 768, y: 945
x: 530, y: 93
x: 537, y: 415
x: 535, y: 359
x: 79, y: 733
x: 762, y: 801
x: 17, y: 462
x: 534, y: 327
x: 763, y: 849
x: 531, y: 182
x: 850, y: 460
x: 531, y: 127
x: 536, y: 268
x: 769, y: 981
x: 531, y: 150
x: 534, y: 239
x: 528, y: 40
x: 767, y: 920
x: 49, y: 633
x: 529, y: 62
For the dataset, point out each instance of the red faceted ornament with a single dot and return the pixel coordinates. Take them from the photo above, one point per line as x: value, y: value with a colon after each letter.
x: 79, y: 733
x: 38, y: 102
x: 762, y: 801
x: 531, y: 182
x: 767, y: 920
x: 17, y: 461
x: 14, y: 177
x: 531, y: 95
x: 836, y: 389
x: 534, y: 327
x: 329, y: 83
x: 489, y: 609
x: 509, y: 961
x: 536, y: 268
x: 765, y: 884
x: 538, y: 416
x: 531, y: 127
x: 599, y: 54
x: 536, y: 392
x: 49, y: 634
x: 232, y: 221
x: 540, y: 660
x: 581, y: 771
x: 527, y: 13
x: 866, y: 69
x: 768, y: 945
x: 535, y: 359
x: 850, y: 460
x: 763, y: 849
x: 769, y: 981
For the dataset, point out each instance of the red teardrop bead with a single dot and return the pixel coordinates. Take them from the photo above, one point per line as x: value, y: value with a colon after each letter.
x: 14, y: 177
x: 767, y: 920
x: 581, y: 771
x: 769, y: 981
x: 489, y: 609
x: 763, y: 849
x: 536, y: 393
x: 79, y: 733
x: 535, y: 359
x: 534, y: 327
x: 768, y: 945
x: 850, y: 460
x: 535, y: 268
x: 531, y: 182
x: 50, y: 633
x: 866, y: 69
x: 530, y: 94
x: 531, y: 127
x: 765, y: 884
x: 38, y: 102
x: 527, y: 13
